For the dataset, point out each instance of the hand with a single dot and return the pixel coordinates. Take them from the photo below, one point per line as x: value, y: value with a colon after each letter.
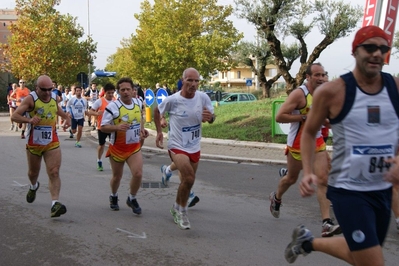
x: 159, y: 140
x: 100, y: 112
x: 393, y: 175
x: 305, y: 186
x: 123, y: 127
x: 144, y: 133
x: 67, y: 123
x: 206, y: 115
x: 164, y: 123
x: 35, y: 120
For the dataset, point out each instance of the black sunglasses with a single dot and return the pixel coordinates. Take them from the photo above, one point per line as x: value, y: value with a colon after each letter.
x: 371, y: 48
x: 45, y: 89
x: 22, y: 83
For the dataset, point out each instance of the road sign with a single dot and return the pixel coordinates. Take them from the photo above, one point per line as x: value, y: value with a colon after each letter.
x: 149, y: 97
x: 248, y: 82
x: 161, y: 95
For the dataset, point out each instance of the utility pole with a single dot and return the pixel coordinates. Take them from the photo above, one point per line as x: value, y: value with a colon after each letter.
x: 88, y: 35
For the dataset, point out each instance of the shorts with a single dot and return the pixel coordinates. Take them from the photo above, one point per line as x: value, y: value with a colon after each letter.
x: 121, y: 154
x: 39, y: 150
x: 75, y: 123
x: 297, y: 155
x: 364, y: 216
x: 102, y: 137
x: 194, y: 157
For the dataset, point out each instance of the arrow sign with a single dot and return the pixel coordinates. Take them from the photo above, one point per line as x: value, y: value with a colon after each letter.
x: 161, y: 95
x: 149, y: 97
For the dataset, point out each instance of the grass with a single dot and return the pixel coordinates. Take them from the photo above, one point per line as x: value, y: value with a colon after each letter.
x: 244, y: 121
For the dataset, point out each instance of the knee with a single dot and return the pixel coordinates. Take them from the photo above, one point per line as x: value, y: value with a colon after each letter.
x: 53, y: 172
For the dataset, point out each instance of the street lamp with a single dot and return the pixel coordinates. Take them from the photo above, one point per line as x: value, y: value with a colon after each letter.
x: 88, y: 35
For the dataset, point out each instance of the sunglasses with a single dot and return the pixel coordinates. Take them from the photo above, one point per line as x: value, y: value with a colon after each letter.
x: 371, y: 48
x: 22, y: 83
x: 45, y: 89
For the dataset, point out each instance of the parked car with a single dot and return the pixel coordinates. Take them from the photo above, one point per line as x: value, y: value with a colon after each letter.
x: 212, y: 94
x: 236, y: 98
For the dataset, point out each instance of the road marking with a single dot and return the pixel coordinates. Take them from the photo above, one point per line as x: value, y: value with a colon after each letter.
x: 130, y: 234
x: 20, y: 185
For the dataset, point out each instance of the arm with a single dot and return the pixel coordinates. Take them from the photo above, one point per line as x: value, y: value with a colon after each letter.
x: 160, y: 122
x: 13, y: 95
x: 65, y: 116
x: 316, y: 118
x: 95, y: 108
x: 18, y: 115
x: 107, y: 125
x: 295, y: 100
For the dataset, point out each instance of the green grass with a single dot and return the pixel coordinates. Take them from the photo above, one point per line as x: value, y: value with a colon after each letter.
x: 244, y: 121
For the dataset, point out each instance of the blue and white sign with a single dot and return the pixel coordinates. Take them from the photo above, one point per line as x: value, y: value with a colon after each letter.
x: 161, y: 95
x: 248, y: 82
x: 149, y: 97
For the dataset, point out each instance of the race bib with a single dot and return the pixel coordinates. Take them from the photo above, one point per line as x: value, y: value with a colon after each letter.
x: 133, y: 134
x: 191, y: 135
x: 368, y: 162
x: 42, y: 135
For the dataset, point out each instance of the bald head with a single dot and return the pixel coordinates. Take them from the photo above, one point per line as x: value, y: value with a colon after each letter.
x: 190, y: 70
x: 44, y: 81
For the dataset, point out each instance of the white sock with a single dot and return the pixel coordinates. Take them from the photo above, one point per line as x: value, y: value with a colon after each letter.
x: 168, y: 171
x: 397, y: 219
x: 114, y: 194
x: 176, y: 206
x: 182, y: 209
x: 33, y: 187
x: 53, y: 202
x: 98, y: 160
x: 132, y: 197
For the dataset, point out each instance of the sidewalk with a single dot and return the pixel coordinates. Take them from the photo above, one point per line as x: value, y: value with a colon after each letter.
x: 228, y: 150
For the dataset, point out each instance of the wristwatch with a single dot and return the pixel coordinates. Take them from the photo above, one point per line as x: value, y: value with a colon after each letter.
x: 303, y: 117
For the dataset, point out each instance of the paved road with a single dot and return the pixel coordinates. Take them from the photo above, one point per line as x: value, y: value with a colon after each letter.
x: 231, y: 225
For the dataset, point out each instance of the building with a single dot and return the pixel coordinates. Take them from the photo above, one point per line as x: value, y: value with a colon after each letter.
x: 7, y: 16
x: 237, y: 77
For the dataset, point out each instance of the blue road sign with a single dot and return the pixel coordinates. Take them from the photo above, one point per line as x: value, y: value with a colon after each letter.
x: 149, y: 97
x: 161, y: 95
x: 248, y: 82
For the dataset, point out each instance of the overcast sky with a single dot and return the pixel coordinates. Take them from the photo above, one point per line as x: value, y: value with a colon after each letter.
x: 110, y: 21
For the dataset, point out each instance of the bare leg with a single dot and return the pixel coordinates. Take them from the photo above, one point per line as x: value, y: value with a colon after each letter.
x: 52, y: 159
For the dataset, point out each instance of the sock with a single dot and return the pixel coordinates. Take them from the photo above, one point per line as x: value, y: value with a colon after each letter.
x: 307, y: 246
x: 53, y: 202
x: 98, y: 160
x: 168, y: 171
x: 132, y: 197
x: 114, y: 194
x: 33, y: 187
x: 176, y: 206
x: 328, y: 220
x: 397, y: 219
x: 191, y: 194
x: 183, y: 209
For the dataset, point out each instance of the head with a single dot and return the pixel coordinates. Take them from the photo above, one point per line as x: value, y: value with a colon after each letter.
x: 55, y: 85
x: 44, y: 87
x: 67, y: 90
x: 94, y: 86
x: 78, y: 91
x: 14, y: 86
x: 21, y: 83
x: 125, y: 89
x: 73, y: 89
x: 315, y: 76
x: 109, y: 90
x: 370, y: 47
x: 60, y: 87
x: 191, y: 79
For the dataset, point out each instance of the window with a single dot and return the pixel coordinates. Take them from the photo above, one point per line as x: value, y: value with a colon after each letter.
x: 243, y: 98
x: 238, y: 74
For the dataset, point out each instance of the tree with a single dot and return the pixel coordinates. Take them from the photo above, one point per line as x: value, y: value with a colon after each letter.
x: 277, y: 19
x: 175, y: 34
x: 245, y: 53
x: 45, y: 42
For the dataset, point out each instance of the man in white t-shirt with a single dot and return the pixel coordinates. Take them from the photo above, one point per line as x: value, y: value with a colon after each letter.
x: 187, y: 109
x: 76, y: 108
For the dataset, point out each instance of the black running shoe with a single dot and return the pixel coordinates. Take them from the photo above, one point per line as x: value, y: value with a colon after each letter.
x: 134, y: 205
x: 113, y: 203
x: 58, y: 209
x: 31, y: 196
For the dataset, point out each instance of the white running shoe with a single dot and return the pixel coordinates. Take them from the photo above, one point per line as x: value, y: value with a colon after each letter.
x: 182, y: 220
x: 165, y: 176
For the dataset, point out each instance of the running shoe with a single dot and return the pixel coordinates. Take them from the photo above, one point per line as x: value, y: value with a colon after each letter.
x: 16, y: 129
x: 274, y: 205
x: 165, y: 176
x: 31, y: 196
x: 22, y: 136
x: 70, y: 134
x: 77, y: 144
x: 282, y: 172
x: 58, y: 209
x: 300, y: 235
x: 113, y: 203
x: 329, y: 229
x: 12, y: 127
x: 134, y: 205
x: 174, y: 212
x: 100, y: 166
x: 20, y: 125
x: 192, y: 200
x: 182, y: 220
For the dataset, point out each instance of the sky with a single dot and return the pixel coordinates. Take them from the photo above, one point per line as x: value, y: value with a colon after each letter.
x: 111, y: 21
